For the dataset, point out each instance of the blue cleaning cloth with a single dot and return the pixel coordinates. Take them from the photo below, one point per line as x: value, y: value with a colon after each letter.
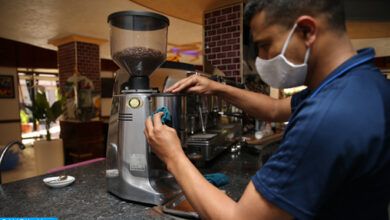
x: 166, y: 117
x: 217, y: 179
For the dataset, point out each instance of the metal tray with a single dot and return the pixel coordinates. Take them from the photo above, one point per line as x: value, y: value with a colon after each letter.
x: 171, y: 208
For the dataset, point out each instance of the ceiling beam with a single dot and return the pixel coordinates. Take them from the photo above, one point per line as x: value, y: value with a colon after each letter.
x: 76, y: 38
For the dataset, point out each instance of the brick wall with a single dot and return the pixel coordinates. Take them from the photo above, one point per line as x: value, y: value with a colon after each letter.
x: 88, y: 62
x: 66, y: 63
x: 222, y: 40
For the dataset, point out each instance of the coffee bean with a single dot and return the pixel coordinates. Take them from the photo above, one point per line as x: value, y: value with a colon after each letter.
x: 139, y: 61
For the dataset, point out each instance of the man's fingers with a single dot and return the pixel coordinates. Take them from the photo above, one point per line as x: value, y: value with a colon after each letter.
x: 157, y: 119
x: 148, y: 124
x: 191, y: 81
x: 146, y: 134
x: 176, y: 85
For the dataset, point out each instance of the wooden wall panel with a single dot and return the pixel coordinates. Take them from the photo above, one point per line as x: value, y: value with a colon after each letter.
x: 364, y: 30
x: 17, y: 54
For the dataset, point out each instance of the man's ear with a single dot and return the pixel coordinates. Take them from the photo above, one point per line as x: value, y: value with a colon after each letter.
x: 308, y: 28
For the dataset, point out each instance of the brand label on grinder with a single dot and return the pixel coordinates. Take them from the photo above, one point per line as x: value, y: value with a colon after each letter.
x: 137, y: 162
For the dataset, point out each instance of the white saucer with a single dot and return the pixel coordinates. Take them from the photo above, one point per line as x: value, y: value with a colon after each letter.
x: 56, y: 183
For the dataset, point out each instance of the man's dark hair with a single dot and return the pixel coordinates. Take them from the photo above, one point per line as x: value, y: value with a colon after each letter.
x: 285, y: 12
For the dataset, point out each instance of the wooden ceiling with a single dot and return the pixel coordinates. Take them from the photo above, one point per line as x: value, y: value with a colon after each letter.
x: 188, y: 10
x: 361, y: 23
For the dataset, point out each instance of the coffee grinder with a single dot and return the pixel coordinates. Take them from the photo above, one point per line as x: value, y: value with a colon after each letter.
x: 133, y: 172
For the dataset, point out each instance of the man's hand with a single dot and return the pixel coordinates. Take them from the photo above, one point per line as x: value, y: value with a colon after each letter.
x: 196, y: 84
x: 162, y: 139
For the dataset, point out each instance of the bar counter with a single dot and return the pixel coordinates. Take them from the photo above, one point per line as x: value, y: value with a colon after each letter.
x: 87, y: 197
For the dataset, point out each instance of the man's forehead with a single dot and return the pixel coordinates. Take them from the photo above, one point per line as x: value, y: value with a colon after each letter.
x: 258, y: 22
x: 259, y: 27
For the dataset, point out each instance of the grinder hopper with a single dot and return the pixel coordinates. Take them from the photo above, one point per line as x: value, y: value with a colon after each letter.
x: 138, y: 44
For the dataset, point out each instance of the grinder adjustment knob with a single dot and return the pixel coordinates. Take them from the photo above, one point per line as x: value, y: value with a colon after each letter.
x: 135, y: 103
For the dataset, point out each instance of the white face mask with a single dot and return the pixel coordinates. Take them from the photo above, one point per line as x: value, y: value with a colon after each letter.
x: 280, y: 73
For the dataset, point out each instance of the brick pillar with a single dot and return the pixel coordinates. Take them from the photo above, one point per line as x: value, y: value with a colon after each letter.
x: 223, y: 40
x: 83, y: 52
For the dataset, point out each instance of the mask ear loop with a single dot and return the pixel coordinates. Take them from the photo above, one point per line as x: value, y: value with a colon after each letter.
x: 307, y: 55
x: 288, y: 39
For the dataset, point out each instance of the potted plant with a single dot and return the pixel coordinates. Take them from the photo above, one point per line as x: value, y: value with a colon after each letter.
x: 25, y: 125
x: 49, y: 153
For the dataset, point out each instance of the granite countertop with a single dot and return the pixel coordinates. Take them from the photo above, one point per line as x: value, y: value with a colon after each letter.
x: 87, y: 197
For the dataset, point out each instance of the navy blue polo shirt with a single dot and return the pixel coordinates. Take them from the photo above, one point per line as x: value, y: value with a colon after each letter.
x: 334, y: 160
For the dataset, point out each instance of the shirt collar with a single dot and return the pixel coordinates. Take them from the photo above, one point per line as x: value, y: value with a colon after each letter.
x: 362, y: 54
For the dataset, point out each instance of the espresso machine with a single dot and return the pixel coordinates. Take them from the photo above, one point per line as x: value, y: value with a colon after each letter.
x: 213, y: 127
x: 133, y: 172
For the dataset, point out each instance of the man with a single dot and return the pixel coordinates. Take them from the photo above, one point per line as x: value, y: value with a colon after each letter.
x: 334, y: 160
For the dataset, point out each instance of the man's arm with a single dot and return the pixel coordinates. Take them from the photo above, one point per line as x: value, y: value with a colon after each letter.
x: 255, y: 104
x: 206, y: 199
x: 212, y: 203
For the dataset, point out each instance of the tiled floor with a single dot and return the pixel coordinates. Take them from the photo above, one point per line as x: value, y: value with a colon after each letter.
x: 24, y: 169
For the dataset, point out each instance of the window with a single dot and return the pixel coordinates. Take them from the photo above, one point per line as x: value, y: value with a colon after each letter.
x: 28, y: 79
